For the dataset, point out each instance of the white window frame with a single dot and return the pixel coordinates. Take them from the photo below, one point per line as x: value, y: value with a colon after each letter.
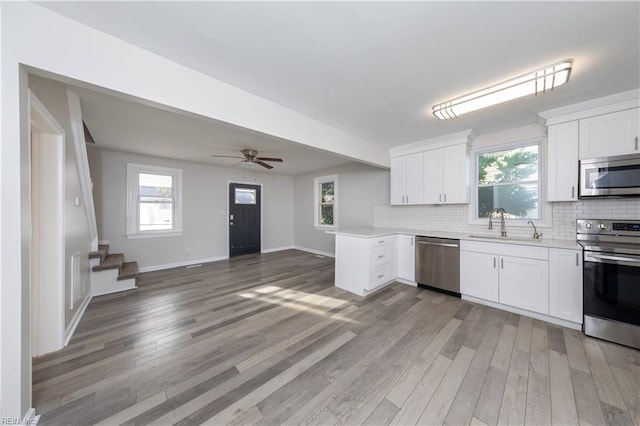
x: 317, y: 182
x: 133, y: 230
x: 545, y: 208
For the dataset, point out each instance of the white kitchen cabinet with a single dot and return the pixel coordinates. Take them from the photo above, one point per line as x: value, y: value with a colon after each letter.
x: 446, y: 176
x: 565, y: 284
x: 610, y: 134
x: 407, y: 257
x: 524, y: 283
x: 562, y: 160
x: 479, y: 275
x: 512, y: 275
x: 407, y: 179
x: 364, y: 264
x: 433, y: 165
x: 455, y: 176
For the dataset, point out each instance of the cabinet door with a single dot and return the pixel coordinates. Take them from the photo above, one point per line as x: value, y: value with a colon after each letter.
x: 414, y: 178
x: 406, y: 257
x: 562, y: 157
x: 455, y: 174
x: 479, y: 275
x: 433, y: 176
x: 397, y: 187
x: 524, y: 283
x: 610, y: 134
x: 565, y: 284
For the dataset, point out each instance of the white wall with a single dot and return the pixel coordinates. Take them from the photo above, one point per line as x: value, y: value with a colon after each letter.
x: 360, y: 187
x: 53, y: 96
x: 204, y: 209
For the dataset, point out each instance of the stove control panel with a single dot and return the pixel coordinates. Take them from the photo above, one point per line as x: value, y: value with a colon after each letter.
x: 608, y: 227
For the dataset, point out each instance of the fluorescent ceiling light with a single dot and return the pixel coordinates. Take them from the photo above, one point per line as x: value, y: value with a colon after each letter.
x: 535, y: 82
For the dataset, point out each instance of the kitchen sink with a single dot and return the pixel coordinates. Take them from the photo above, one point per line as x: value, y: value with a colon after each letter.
x: 495, y: 237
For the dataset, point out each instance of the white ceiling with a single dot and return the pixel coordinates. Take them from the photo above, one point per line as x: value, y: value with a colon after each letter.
x: 375, y: 69
x: 130, y: 126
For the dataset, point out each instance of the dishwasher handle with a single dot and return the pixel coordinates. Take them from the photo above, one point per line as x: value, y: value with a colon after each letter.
x: 427, y: 243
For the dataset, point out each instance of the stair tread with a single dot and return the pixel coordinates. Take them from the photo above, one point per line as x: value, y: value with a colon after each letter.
x: 128, y: 270
x: 111, y: 261
x: 103, y: 250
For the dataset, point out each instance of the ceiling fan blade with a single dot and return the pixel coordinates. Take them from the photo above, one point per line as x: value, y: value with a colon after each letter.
x: 268, y: 166
x: 278, y: 160
x: 226, y: 156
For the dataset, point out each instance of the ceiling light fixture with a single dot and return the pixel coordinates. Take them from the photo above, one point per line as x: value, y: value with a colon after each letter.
x: 539, y: 81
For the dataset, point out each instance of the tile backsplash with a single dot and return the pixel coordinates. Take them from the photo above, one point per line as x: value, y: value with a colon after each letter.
x: 455, y: 218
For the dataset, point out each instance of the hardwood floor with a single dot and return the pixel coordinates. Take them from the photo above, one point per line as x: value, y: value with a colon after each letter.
x: 267, y: 339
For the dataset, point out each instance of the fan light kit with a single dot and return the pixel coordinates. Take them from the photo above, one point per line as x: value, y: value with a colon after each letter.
x: 538, y: 81
x: 250, y: 157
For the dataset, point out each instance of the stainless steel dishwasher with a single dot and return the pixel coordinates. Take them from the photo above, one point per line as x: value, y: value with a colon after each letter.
x: 438, y: 264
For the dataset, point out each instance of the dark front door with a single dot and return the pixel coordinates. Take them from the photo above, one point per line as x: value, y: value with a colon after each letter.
x: 244, y: 219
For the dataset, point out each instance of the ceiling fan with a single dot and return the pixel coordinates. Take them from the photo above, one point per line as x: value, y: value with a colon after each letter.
x: 251, y: 156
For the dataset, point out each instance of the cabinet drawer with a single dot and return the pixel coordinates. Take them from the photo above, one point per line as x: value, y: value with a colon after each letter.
x: 378, y: 255
x: 379, y: 241
x: 378, y: 276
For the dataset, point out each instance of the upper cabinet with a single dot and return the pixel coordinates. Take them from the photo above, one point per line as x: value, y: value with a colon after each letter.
x: 562, y: 162
x: 407, y: 182
x: 597, y: 128
x: 431, y: 172
x: 610, y: 134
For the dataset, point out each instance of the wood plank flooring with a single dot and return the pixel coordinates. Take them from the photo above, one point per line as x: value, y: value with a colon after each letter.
x: 267, y: 339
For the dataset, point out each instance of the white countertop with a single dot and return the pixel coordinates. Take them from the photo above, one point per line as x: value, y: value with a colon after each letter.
x: 371, y: 232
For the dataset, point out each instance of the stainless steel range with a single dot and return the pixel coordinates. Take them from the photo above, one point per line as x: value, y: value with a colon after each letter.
x: 611, y: 279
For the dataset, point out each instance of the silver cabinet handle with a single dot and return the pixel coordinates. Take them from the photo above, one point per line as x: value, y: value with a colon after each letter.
x: 381, y: 275
x: 412, y: 242
x: 381, y: 256
x: 407, y: 199
x: 437, y: 244
x: 494, y: 263
x: 439, y: 198
x: 577, y: 259
x: 445, y: 197
x: 636, y: 143
x: 573, y: 192
x: 501, y: 263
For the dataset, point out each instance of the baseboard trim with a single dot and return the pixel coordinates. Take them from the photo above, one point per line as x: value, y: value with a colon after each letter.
x: 180, y: 264
x: 118, y: 290
x: 308, y: 250
x: 407, y: 282
x: 103, y: 242
x: 524, y: 312
x: 271, y: 250
x: 76, y: 319
x: 29, y: 419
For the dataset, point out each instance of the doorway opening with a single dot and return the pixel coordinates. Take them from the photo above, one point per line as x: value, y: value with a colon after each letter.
x: 244, y: 218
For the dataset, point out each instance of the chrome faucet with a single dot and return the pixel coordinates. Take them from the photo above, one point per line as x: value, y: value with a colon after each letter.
x: 536, y: 234
x: 500, y: 210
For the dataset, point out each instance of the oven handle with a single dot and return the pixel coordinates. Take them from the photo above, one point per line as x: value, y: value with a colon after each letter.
x: 614, y: 259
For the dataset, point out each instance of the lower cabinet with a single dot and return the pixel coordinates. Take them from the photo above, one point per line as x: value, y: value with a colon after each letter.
x: 546, y: 281
x: 407, y: 257
x: 565, y: 284
x: 479, y: 275
x: 364, y: 264
x: 524, y: 283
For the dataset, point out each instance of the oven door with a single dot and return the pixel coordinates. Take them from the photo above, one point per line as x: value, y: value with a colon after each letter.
x: 612, y: 286
x: 615, y: 176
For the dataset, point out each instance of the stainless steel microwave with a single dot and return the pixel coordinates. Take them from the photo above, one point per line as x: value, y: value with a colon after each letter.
x: 610, y: 177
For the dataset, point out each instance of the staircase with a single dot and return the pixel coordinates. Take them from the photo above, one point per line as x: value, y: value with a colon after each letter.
x: 110, y: 273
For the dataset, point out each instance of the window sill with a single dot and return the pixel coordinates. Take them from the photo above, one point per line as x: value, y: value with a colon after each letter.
x: 152, y: 234
x: 325, y: 227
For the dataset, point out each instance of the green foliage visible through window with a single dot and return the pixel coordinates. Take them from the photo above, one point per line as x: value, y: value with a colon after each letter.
x: 326, y: 203
x: 509, y: 179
